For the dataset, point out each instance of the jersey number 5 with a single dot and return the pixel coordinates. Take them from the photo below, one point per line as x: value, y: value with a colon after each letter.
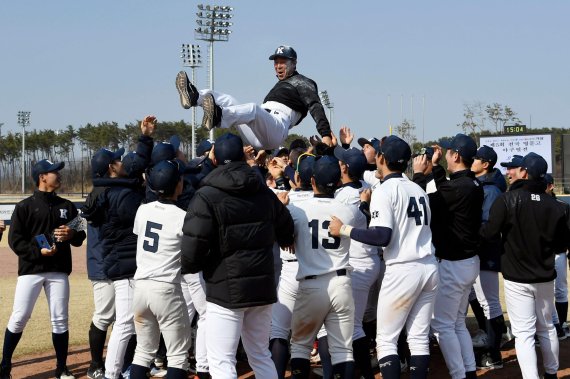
x: 150, y: 243
x: 415, y: 212
x: 326, y: 242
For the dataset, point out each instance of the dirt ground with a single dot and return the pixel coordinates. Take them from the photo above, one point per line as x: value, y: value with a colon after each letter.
x: 40, y: 366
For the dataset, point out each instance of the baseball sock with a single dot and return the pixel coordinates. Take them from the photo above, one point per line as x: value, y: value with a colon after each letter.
x: 550, y: 376
x: 390, y: 366
x: 362, y: 357
x: 279, y: 354
x: 300, y: 368
x: 344, y: 370
x: 60, y: 344
x: 562, y: 310
x: 494, y: 336
x: 10, y: 342
x: 130, y: 352
x: 176, y: 373
x: 479, y: 314
x: 370, y: 330
x: 326, y: 362
x: 419, y: 366
x: 96, y: 345
x: 471, y: 375
x: 138, y: 372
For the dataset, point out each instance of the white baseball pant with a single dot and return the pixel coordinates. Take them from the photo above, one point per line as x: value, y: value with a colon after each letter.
x: 123, y: 329
x: 224, y: 327
x: 327, y: 300
x: 104, y: 303
x: 364, y: 275
x: 530, y: 311
x: 455, y: 281
x: 282, y: 310
x: 28, y: 288
x: 560, y: 283
x: 263, y: 127
x: 193, y: 290
x: 159, y: 308
x: 406, y: 299
x: 487, y: 290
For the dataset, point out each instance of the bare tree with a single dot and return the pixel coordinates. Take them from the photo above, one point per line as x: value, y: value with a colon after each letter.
x: 475, y: 115
x: 500, y: 115
x: 407, y: 131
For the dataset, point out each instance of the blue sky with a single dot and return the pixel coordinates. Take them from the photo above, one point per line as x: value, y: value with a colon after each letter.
x: 73, y: 62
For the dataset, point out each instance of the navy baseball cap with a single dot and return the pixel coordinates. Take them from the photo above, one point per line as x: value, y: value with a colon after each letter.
x: 203, y: 147
x: 487, y: 154
x: 102, y: 159
x: 535, y: 165
x: 516, y: 161
x: 43, y: 167
x: 374, y: 142
x: 548, y: 179
x: 164, y: 176
x: 298, y: 143
x: 228, y: 148
x: 282, y: 151
x: 395, y: 150
x: 175, y: 141
x: 463, y: 144
x: 163, y: 151
x: 326, y: 171
x: 354, y: 159
x: 134, y: 164
x: 305, y: 168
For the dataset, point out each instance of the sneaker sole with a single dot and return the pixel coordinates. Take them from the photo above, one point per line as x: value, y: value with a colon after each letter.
x: 182, y: 87
x: 493, y: 367
x: 209, y: 108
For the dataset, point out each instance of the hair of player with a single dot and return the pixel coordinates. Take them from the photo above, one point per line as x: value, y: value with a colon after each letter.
x: 468, y: 162
x: 397, y: 166
x: 328, y: 191
x: 353, y: 177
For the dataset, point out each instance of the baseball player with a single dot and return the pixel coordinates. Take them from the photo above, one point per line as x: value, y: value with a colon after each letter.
x: 265, y: 126
x: 158, y: 303
x: 533, y: 227
x: 325, y: 293
x: 41, y: 239
x: 401, y: 222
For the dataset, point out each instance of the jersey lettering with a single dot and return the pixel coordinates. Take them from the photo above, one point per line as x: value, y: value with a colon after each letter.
x: 535, y: 197
x: 415, y: 212
x: 151, y: 236
x: 326, y: 242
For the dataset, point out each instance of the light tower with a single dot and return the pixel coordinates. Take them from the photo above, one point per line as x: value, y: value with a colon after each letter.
x: 23, y: 120
x: 324, y: 95
x: 191, y: 58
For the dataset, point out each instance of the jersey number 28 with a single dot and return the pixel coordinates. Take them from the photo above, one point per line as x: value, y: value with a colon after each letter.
x: 150, y: 243
x: 326, y: 242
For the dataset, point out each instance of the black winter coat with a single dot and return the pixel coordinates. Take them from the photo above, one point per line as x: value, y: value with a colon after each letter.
x: 232, y: 223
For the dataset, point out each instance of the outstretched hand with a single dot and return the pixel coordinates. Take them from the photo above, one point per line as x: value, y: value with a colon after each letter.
x: 148, y: 125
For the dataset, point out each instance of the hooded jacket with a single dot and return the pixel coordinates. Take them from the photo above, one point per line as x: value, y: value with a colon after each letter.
x: 229, y: 230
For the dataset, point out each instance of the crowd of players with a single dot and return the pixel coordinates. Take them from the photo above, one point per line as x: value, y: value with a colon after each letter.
x: 307, y: 243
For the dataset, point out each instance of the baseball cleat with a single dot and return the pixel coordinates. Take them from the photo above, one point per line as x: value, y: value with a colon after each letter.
x: 95, y: 373
x: 63, y: 373
x: 188, y: 93
x: 507, y: 337
x: 486, y: 362
x: 560, y: 332
x: 566, y: 329
x: 212, y: 113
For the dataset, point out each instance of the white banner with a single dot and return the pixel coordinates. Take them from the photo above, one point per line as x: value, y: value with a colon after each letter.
x: 506, y: 146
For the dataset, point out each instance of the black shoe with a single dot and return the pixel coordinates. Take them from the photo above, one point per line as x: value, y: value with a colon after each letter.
x: 188, y: 93
x: 560, y: 332
x: 63, y: 373
x: 5, y: 372
x: 487, y: 362
x: 212, y: 113
x: 95, y: 373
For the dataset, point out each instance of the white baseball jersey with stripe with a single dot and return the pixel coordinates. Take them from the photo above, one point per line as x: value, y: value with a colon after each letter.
x: 295, y: 197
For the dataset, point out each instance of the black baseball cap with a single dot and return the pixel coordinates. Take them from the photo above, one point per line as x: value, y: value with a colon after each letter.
x: 134, y: 164
x: 516, y: 161
x: 548, y: 179
x: 374, y: 142
x: 487, y: 154
x: 326, y: 171
x: 43, y: 167
x: 284, y: 52
x: 163, y: 151
x: 203, y: 147
x: 298, y: 143
x: 535, y: 165
x: 164, y: 176
x: 228, y: 148
x: 305, y: 168
x: 395, y: 150
x: 463, y: 144
x: 282, y: 151
x: 102, y: 159
x: 354, y: 159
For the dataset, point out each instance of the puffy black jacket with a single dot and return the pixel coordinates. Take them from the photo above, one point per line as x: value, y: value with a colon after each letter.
x: 534, y: 226
x: 39, y: 214
x: 120, y: 201
x: 95, y: 216
x: 232, y: 223
x: 301, y: 94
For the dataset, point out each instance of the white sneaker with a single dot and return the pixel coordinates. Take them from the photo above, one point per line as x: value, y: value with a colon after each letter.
x: 315, y: 359
x: 507, y: 337
x: 158, y: 372
x: 479, y: 339
x: 566, y: 329
x: 318, y: 371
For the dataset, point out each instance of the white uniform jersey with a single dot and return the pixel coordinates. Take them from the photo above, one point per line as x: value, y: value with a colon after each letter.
x: 401, y: 205
x: 351, y: 196
x: 317, y: 251
x: 370, y: 178
x: 294, y: 198
x: 159, y: 229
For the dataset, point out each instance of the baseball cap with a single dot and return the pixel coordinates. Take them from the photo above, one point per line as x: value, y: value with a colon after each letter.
x: 134, y: 164
x: 535, y: 165
x: 463, y: 144
x: 548, y: 179
x: 203, y: 147
x: 44, y: 166
x: 162, y: 151
x: 282, y: 151
x: 284, y: 52
x: 326, y: 171
x: 395, y: 150
x: 102, y: 159
x: 228, y: 148
x: 164, y: 176
x: 305, y: 168
x: 516, y: 161
x: 298, y: 143
x: 486, y: 154
x: 175, y: 141
x: 354, y: 159
x: 374, y: 142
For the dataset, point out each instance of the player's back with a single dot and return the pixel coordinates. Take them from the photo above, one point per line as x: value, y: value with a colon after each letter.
x: 317, y: 251
x: 159, y: 229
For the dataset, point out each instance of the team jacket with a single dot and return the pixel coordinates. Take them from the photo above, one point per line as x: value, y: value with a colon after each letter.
x: 38, y: 214
x: 301, y: 94
x: 456, y: 213
x: 533, y: 226
x: 232, y: 223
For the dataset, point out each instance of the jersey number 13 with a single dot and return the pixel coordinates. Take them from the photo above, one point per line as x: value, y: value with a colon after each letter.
x: 325, y: 242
